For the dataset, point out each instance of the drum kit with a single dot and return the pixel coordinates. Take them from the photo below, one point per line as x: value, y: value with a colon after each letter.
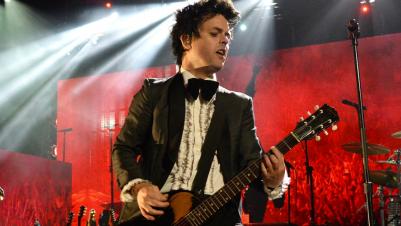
x: 384, y: 179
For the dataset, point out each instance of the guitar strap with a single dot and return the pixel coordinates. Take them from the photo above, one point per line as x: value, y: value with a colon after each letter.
x: 211, y: 144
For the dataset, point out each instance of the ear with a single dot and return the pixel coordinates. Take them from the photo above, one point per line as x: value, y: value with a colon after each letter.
x: 186, y: 41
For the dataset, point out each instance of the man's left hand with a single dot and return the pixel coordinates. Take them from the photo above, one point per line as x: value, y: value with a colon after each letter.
x: 273, y: 168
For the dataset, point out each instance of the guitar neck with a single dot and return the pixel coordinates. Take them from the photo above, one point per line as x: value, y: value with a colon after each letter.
x: 215, y: 202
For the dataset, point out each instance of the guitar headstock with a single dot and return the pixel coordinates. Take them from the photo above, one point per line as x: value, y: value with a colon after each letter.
x: 92, y: 217
x: 69, y: 218
x: 323, y: 118
x: 82, y: 211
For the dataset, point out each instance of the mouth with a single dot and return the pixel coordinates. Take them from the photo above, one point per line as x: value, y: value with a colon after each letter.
x: 221, y: 52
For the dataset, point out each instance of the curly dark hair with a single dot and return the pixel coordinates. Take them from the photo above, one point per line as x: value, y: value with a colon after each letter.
x: 192, y: 16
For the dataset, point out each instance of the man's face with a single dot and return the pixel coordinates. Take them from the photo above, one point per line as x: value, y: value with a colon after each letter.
x: 208, y: 52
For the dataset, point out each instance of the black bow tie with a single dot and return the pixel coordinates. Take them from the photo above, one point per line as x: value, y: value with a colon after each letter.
x: 207, y: 88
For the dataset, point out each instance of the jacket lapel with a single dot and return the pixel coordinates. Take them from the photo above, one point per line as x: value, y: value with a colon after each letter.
x: 175, y: 119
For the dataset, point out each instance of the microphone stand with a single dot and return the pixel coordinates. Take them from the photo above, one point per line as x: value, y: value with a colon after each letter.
x: 353, y: 34
x: 111, y: 169
x: 309, y: 177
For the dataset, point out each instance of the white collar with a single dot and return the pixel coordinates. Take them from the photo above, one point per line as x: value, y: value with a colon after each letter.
x: 187, y: 75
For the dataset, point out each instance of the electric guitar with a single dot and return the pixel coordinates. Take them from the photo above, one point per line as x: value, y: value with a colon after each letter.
x: 82, y: 211
x: 69, y: 218
x: 185, y: 213
x: 92, y: 218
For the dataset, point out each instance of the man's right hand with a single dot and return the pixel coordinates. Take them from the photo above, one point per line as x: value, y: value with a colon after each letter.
x: 149, y: 199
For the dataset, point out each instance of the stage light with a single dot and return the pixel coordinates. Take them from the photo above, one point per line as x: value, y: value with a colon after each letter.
x: 365, y: 7
x: 243, y: 27
x: 108, y: 5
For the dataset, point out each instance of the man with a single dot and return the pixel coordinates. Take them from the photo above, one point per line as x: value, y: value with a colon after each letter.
x: 187, y: 133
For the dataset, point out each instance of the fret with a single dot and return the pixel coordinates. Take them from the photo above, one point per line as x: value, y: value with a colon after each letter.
x: 201, y: 217
x: 212, y: 204
x: 196, y: 219
x: 206, y: 210
x: 247, y: 176
x: 282, y: 147
x: 227, y: 195
x: 288, y: 146
x: 190, y: 220
x: 207, y: 207
x: 295, y: 137
x: 241, y: 181
x: 218, y: 200
x: 229, y: 188
x: 236, y: 184
x: 222, y: 192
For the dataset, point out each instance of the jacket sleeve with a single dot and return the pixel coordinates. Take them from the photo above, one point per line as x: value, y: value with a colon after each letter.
x: 131, y: 141
x: 251, y: 150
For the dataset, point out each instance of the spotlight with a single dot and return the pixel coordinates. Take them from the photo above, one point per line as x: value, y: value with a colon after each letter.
x: 243, y: 27
x: 108, y: 5
x: 365, y: 7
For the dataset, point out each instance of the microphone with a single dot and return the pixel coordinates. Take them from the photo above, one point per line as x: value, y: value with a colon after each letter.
x: 65, y: 130
x: 2, y: 195
x: 352, y: 104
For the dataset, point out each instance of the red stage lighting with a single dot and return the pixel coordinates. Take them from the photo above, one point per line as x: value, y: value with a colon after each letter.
x: 108, y: 5
x: 365, y: 7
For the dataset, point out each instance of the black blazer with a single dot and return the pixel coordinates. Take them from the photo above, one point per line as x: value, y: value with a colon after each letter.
x: 154, y: 126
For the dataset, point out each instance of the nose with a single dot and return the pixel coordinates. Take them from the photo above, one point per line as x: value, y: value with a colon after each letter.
x: 225, y: 40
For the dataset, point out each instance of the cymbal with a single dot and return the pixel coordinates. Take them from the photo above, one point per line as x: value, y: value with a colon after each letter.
x: 373, y: 149
x: 397, y: 135
x: 384, y: 178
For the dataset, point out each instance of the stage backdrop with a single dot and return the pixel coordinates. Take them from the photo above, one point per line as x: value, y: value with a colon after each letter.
x: 285, y: 85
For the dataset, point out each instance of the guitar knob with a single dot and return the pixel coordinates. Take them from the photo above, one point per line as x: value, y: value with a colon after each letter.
x: 317, y: 107
x: 325, y: 132
x: 317, y: 138
x: 334, y: 127
x: 301, y: 119
x: 309, y: 113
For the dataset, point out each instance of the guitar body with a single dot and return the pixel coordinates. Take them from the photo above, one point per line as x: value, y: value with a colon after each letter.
x: 181, y: 203
x: 180, y: 213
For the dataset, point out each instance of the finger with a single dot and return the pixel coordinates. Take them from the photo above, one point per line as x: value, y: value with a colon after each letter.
x: 157, y: 203
x: 264, y: 170
x: 267, y: 163
x: 277, y: 153
x: 150, y: 210
x: 146, y: 215
x: 156, y: 194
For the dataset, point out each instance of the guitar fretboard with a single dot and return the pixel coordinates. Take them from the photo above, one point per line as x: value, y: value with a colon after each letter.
x: 214, y: 203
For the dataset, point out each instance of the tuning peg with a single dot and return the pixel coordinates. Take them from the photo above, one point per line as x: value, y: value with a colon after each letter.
x: 325, y: 132
x: 334, y: 127
x: 317, y: 138
x: 317, y: 107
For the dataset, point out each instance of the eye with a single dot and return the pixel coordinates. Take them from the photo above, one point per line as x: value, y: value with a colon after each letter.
x: 213, y: 34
